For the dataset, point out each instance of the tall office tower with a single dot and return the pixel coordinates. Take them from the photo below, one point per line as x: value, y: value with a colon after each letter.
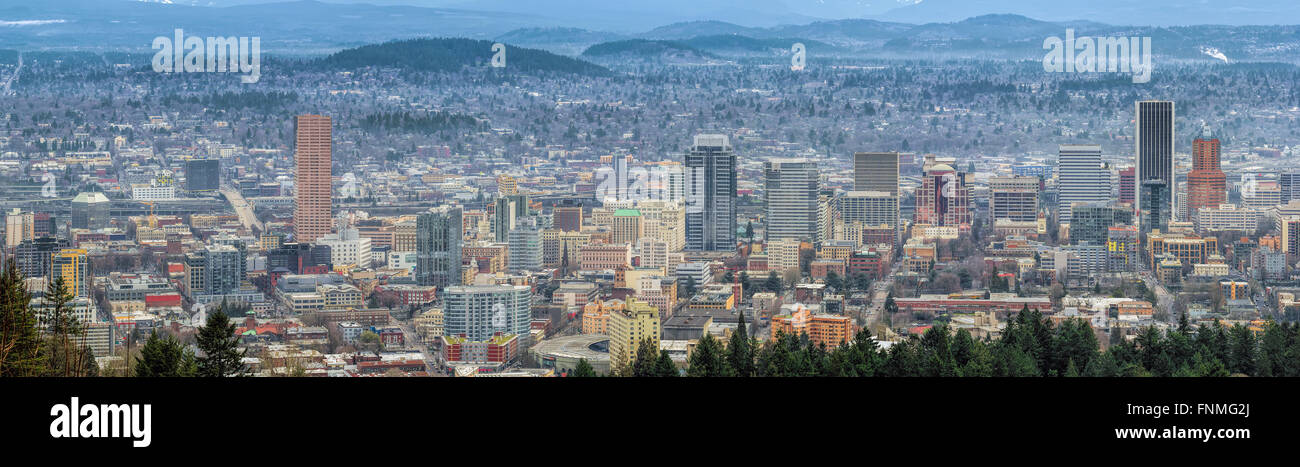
x: 508, y: 211
x: 791, y: 193
x: 73, y: 265
x: 1289, y: 182
x: 875, y: 171
x: 1207, y: 186
x: 568, y: 218
x: 480, y: 311
x: 674, y: 181
x: 203, y: 174
x: 19, y: 227
x: 711, y: 195
x: 438, y: 235
x: 312, y: 189
x: 620, y: 174
x: 628, y: 226
x: 507, y: 185
x: 1154, y: 150
x: 525, y: 248
x: 223, y: 269
x: 33, y: 256
x: 1014, y: 198
x: 1081, y: 178
x: 1127, y: 187
x: 239, y: 245
x: 944, y: 198
x: 1091, y: 222
x: 860, y: 210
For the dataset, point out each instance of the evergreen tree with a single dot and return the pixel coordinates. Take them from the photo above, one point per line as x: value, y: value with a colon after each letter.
x: 165, y: 357
x: 707, y: 359
x: 646, y: 363
x: 665, y: 367
x: 219, y: 344
x: 20, y: 340
x: 583, y: 369
x: 740, y: 350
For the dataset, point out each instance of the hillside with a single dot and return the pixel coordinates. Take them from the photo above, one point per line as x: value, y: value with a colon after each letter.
x: 447, y: 55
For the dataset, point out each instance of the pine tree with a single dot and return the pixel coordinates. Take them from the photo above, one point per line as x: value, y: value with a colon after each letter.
x: 707, y: 359
x: 646, y: 361
x: 583, y: 369
x: 165, y: 357
x: 20, y: 340
x: 740, y: 350
x: 665, y: 367
x: 219, y: 344
x: 64, y: 328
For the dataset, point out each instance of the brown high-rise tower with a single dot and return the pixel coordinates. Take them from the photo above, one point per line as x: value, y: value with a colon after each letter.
x: 1206, y: 183
x: 312, y: 190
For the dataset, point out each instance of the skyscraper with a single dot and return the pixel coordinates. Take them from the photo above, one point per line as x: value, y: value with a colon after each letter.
x: 876, y: 171
x: 944, y: 198
x: 1082, y: 178
x: 791, y: 193
x: 73, y: 265
x: 1289, y: 182
x: 525, y: 251
x: 202, y: 174
x: 1154, y: 150
x: 711, y: 195
x: 312, y: 189
x: 438, y: 235
x: 1014, y: 198
x: 480, y: 311
x: 1127, y: 188
x: 1206, y: 183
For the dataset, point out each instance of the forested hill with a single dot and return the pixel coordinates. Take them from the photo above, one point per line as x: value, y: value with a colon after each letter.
x: 448, y: 55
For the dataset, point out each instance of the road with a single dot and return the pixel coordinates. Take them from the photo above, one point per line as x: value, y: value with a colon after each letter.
x: 1164, y: 300
x: 13, y: 78
x: 242, y: 209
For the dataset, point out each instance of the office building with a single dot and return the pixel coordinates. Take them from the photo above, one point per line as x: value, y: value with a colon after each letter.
x: 876, y: 171
x: 1082, y: 178
x: 202, y: 174
x: 1206, y: 183
x: 481, y: 311
x: 438, y: 235
x: 711, y: 195
x: 791, y: 193
x: 1014, y: 198
x: 525, y: 247
x: 1154, y: 151
x: 312, y: 213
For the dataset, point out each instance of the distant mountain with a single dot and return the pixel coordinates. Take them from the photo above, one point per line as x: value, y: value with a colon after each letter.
x: 449, y: 55
x: 644, y: 50
x: 731, y: 44
x: 565, y: 41
x: 1125, y: 12
x: 689, y: 29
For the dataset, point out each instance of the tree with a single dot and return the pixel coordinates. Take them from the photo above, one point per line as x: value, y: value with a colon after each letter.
x: 833, y: 281
x: 749, y: 231
x: 64, y: 327
x: 707, y: 359
x: 773, y: 283
x: 219, y: 344
x: 665, y: 368
x: 20, y: 340
x: 646, y: 361
x: 740, y: 350
x: 165, y: 357
x: 583, y: 369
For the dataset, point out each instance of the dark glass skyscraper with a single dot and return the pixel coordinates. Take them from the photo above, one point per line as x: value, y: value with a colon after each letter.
x: 1154, y: 150
x: 202, y: 174
x: 437, y: 244
x: 711, y: 195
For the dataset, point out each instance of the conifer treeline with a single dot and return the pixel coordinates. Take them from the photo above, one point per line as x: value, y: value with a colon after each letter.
x: 1031, y: 346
